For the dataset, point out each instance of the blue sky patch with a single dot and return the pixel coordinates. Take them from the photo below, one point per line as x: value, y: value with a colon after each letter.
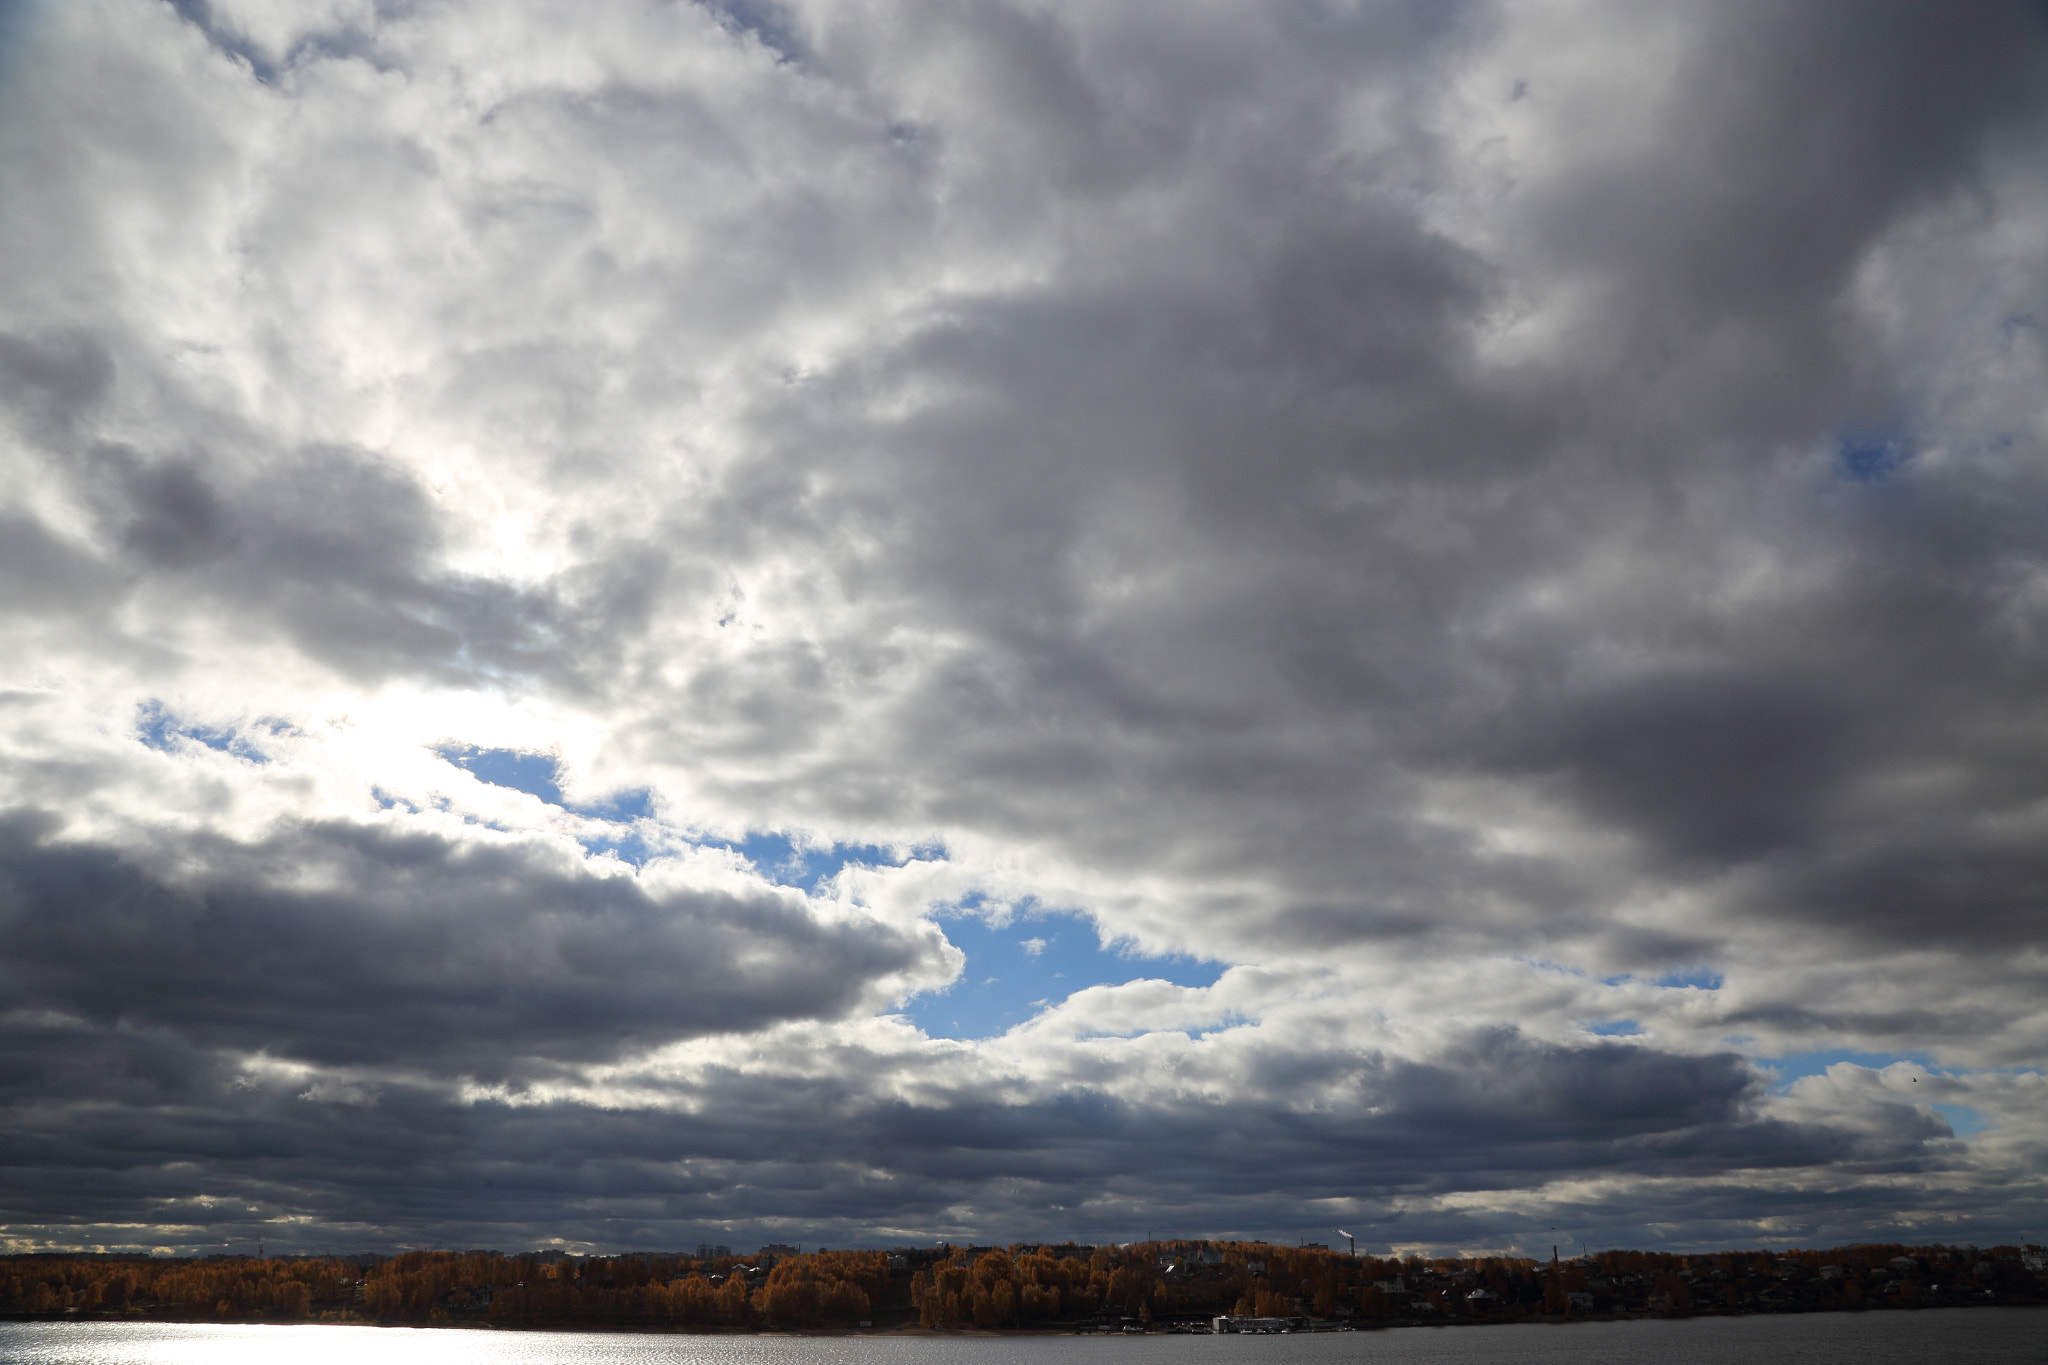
x: 787, y: 863
x: 521, y: 771
x: 1615, y: 1028
x: 160, y: 728
x: 1038, y: 959
x: 775, y: 855
x: 635, y: 803
x: 1966, y: 1121
x: 1801, y: 1064
x: 1871, y: 457
x: 1700, y: 978
x: 621, y: 841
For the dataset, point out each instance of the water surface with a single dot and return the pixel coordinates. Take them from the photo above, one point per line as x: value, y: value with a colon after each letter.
x: 1976, y: 1336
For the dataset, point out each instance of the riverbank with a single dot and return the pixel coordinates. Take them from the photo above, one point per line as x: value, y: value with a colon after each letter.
x: 913, y: 1331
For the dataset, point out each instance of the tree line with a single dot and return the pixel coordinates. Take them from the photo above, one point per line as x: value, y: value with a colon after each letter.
x: 821, y: 1289
x: 1020, y: 1286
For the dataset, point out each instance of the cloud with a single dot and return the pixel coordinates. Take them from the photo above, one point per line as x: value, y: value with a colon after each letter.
x: 1376, y: 498
x: 1535, y: 1129
x: 354, y: 945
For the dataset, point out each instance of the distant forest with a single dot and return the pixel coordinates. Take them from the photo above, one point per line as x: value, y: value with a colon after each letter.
x: 1159, y: 1286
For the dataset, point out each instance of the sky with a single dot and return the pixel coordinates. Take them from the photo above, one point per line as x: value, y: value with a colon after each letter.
x: 634, y: 623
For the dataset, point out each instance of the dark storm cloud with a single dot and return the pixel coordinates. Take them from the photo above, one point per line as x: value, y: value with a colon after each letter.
x: 174, y: 521
x: 1720, y: 768
x: 1974, y: 887
x: 1798, y: 134
x: 348, y: 945
x: 1066, y: 1165
x: 49, y: 1057
x: 1494, y: 1109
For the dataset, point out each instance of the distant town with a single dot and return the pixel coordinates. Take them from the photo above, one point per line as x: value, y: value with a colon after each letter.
x: 1148, y: 1287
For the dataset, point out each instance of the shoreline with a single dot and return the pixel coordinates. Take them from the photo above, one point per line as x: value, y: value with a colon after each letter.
x: 941, y: 1333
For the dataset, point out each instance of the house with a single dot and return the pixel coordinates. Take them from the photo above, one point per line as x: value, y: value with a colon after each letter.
x: 1262, y: 1326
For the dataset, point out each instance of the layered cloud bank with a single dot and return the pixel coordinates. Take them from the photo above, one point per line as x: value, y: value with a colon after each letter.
x: 652, y: 622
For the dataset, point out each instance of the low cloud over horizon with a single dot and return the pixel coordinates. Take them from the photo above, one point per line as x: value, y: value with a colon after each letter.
x: 648, y: 622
